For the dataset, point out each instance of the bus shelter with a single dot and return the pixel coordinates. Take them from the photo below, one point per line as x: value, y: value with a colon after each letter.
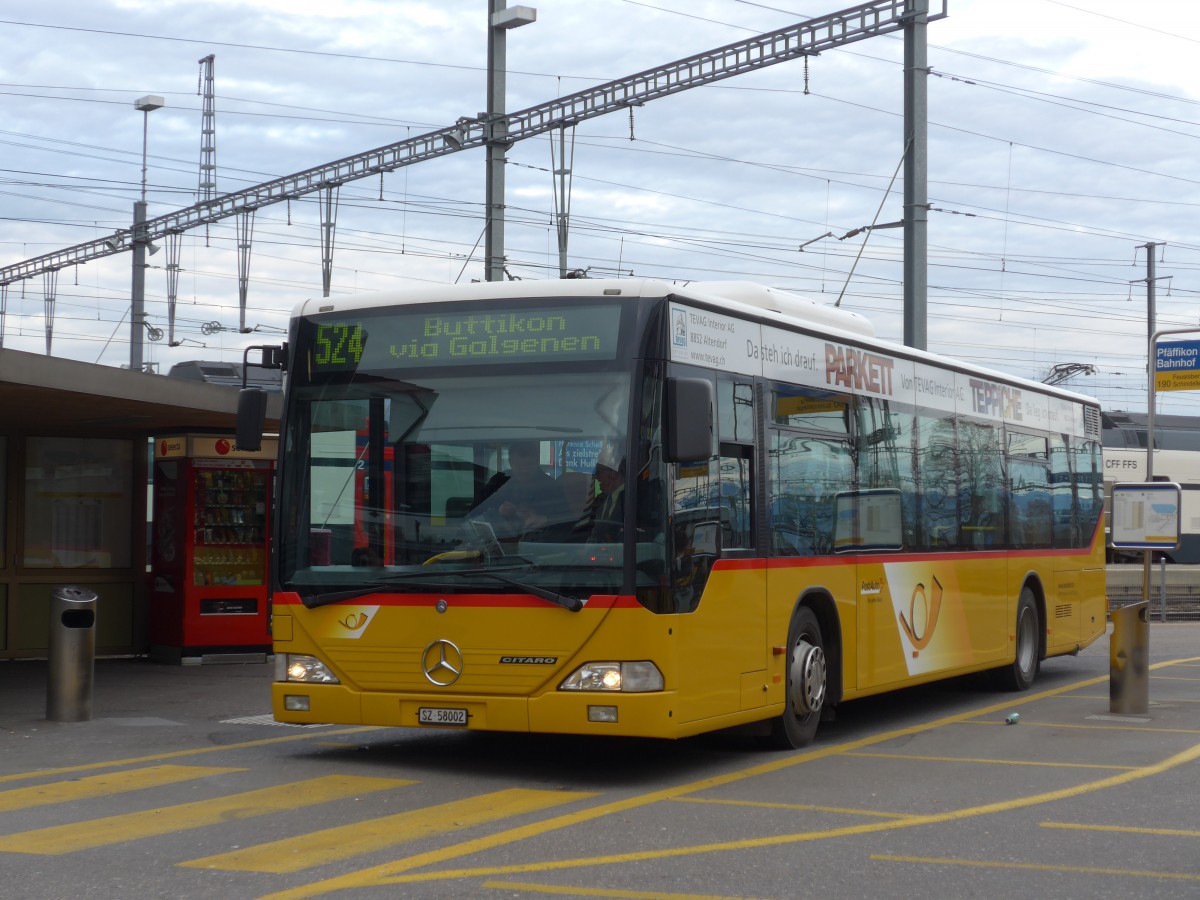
x: 75, y: 449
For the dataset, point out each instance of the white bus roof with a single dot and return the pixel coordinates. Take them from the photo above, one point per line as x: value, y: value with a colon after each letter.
x: 737, y: 297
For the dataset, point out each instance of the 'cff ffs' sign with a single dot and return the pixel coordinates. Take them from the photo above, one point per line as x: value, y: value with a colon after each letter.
x: 1177, y: 366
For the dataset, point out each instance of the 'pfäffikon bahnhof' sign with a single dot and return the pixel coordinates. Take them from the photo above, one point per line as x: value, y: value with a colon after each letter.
x: 1177, y: 366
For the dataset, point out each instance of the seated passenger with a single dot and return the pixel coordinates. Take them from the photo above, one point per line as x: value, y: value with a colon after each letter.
x: 604, y: 517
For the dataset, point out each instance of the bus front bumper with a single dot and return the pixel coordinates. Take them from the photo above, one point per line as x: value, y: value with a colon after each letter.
x: 561, y: 712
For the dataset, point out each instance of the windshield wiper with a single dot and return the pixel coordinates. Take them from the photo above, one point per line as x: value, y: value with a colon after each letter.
x: 572, y: 604
x: 312, y: 601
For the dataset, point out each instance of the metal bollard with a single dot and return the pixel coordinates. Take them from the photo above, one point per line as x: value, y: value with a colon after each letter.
x: 1129, y: 660
x: 72, y: 654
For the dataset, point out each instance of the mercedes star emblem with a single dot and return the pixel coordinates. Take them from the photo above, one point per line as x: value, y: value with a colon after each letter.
x: 442, y: 663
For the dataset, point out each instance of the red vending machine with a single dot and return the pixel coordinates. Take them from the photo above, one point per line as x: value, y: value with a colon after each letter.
x: 208, y: 599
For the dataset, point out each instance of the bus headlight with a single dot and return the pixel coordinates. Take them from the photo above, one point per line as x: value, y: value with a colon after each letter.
x: 629, y: 677
x: 306, y: 669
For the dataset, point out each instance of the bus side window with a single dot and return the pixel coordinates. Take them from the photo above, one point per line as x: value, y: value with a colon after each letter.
x: 733, y: 501
x: 806, y: 474
x: 1089, y: 481
x: 692, y: 515
x: 1031, y: 512
x: 884, y: 439
x: 982, y: 488
x: 810, y: 460
x: 1062, y: 494
x: 937, y: 456
x: 734, y: 492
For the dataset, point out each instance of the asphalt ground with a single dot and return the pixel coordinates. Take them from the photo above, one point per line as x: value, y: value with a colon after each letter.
x: 926, y: 791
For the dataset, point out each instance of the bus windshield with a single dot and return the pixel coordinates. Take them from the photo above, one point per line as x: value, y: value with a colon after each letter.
x: 424, y: 481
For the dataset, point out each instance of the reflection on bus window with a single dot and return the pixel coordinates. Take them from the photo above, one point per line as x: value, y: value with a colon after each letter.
x: 807, y: 472
x: 1030, y: 512
x: 981, y: 488
x: 397, y: 470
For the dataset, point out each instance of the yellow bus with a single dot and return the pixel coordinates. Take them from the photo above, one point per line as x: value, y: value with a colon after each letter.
x: 634, y: 507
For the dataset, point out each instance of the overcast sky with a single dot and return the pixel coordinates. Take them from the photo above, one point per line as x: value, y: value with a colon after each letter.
x: 1062, y: 139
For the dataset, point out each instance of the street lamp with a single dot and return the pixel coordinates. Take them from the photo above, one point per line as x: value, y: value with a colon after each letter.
x: 501, y: 19
x: 147, y: 105
x: 137, y: 313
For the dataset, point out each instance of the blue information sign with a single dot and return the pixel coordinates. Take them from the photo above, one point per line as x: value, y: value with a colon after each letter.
x: 1177, y: 366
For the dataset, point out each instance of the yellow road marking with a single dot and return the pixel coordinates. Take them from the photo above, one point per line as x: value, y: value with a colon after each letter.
x: 598, y: 892
x: 61, y: 839
x: 797, y: 806
x: 1188, y: 756
x: 179, y: 754
x: 1082, y: 697
x: 369, y: 876
x: 332, y: 844
x: 391, y: 873
x: 1106, y: 698
x: 104, y: 785
x: 1025, y: 723
x: 1037, y: 867
x: 1124, y: 829
x: 993, y: 762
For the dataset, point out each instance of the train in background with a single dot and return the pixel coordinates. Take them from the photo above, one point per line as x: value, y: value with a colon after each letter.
x: 1176, y: 459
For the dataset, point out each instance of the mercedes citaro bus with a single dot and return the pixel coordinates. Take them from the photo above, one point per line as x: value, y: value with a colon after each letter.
x: 808, y: 514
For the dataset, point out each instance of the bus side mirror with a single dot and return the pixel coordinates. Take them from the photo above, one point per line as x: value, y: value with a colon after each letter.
x: 274, y: 356
x: 689, y: 419
x: 251, y: 418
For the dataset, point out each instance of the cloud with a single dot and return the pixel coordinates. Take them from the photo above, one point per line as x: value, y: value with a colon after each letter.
x: 1061, y: 139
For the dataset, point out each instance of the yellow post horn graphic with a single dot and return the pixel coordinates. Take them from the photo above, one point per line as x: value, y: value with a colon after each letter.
x: 354, y: 621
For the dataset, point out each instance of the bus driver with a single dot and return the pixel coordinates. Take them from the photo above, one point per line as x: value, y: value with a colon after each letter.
x: 525, y: 499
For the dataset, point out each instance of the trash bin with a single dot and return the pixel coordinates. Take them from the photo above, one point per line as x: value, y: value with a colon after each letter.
x: 1129, y: 660
x: 72, y: 654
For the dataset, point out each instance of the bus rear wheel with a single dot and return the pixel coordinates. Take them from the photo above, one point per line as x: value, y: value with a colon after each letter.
x: 807, y: 681
x: 1020, y: 674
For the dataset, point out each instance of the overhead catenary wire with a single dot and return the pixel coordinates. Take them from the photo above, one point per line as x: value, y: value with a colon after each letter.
x: 624, y: 238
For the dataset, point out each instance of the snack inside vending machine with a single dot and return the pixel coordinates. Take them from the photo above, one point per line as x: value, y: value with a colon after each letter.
x: 211, y: 522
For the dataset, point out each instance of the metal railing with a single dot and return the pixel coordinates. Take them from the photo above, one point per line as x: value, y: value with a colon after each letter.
x: 1174, y: 591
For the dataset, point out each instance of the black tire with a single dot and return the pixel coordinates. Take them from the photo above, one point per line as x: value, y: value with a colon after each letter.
x: 1020, y: 675
x: 806, y: 683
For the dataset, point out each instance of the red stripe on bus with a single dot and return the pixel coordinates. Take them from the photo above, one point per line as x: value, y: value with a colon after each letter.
x: 478, y: 601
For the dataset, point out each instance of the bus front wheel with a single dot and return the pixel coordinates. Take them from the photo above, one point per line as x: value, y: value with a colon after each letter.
x: 1020, y: 674
x: 807, y: 681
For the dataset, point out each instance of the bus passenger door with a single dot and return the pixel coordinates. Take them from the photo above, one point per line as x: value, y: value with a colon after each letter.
x: 880, y: 653
x: 715, y: 577
x: 1077, y: 611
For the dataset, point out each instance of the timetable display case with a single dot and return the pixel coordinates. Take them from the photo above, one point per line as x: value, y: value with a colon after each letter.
x: 209, y: 541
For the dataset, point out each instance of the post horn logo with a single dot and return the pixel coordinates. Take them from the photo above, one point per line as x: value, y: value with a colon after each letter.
x: 929, y: 608
x: 354, y: 621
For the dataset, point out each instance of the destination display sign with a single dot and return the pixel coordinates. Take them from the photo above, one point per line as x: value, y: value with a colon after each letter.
x: 446, y: 337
